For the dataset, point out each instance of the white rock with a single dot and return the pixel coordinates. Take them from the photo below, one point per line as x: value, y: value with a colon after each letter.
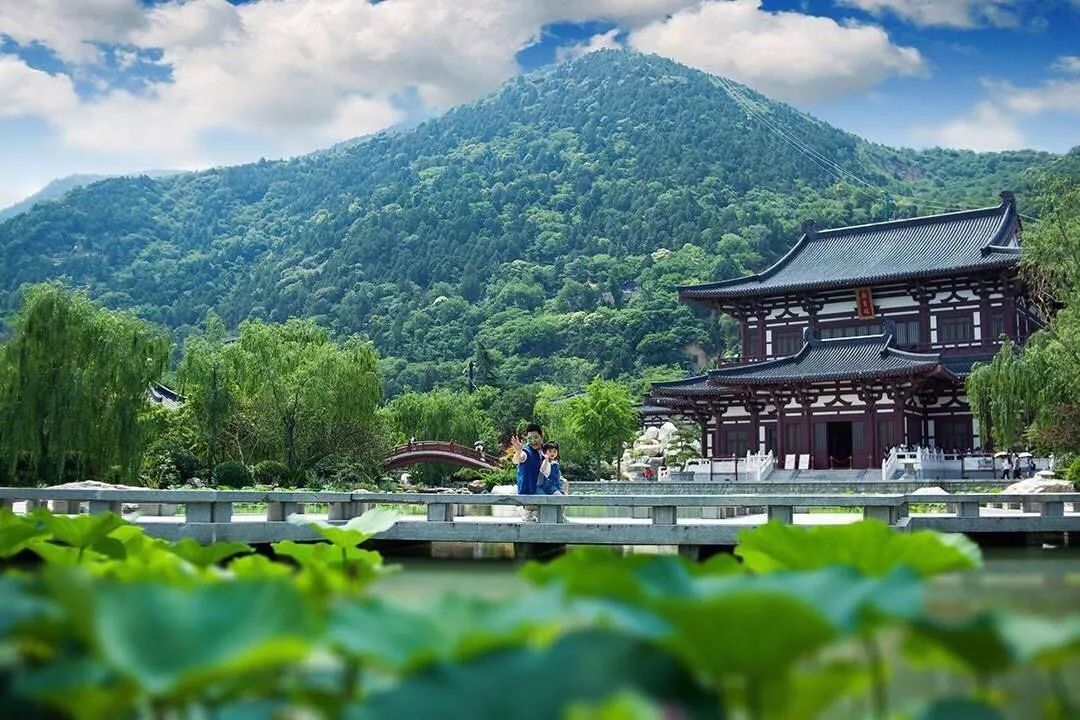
x: 1038, y: 485
x: 652, y: 432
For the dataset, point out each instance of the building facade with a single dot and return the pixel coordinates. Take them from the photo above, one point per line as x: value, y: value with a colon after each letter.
x: 859, y: 339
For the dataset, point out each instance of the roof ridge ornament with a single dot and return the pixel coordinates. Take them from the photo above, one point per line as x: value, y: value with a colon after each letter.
x: 1008, y: 197
x: 809, y: 227
x: 810, y: 336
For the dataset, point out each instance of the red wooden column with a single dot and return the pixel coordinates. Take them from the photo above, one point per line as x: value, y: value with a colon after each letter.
x: 755, y: 407
x: 762, y: 347
x: 778, y: 400
x: 983, y: 291
x: 703, y: 422
x: 869, y: 394
x: 922, y: 296
x: 805, y: 399
x: 899, y: 394
x: 718, y: 434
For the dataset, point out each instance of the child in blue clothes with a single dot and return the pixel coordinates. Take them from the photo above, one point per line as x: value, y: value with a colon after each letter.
x: 551, y: 482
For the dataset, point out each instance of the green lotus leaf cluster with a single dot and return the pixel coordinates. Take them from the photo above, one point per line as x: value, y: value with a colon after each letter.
x: 99, y: 620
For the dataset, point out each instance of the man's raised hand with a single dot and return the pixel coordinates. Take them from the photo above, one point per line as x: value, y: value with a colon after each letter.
x: 515, y: 442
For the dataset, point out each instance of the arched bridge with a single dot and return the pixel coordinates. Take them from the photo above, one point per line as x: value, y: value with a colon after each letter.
x: 429, y: 451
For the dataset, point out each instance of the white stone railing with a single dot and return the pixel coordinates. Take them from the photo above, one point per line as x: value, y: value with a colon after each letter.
x: 888, y: 465
x: 759, y: 466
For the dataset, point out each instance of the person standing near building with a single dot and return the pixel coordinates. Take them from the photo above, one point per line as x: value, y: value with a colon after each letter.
x: 528, y: 456
x: 1006, y: 467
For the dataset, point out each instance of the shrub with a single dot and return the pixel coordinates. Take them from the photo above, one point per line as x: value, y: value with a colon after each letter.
x: 1072, y: 472
x: 464, y: 476
x: 232, y: 474
x: 503, y: 476
x: 270, y: 472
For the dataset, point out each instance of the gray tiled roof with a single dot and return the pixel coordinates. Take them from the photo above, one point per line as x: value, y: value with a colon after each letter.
x: 854, y: 358
x: 929, y: 246
x: 834, y: 359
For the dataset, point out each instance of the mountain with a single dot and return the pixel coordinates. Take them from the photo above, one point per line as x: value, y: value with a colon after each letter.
x: 53, y: 190
x: 548, y: 223
x: 60, y: 186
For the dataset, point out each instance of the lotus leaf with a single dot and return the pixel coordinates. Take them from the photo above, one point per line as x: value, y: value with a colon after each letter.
x: 870, y: 546
x: 171, y: 640
x: 542, y: 683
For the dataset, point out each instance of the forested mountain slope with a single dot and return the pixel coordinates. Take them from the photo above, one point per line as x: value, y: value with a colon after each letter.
x: 548, y: 222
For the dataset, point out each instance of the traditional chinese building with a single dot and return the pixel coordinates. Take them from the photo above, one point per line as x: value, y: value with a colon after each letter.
x: 860, y: 339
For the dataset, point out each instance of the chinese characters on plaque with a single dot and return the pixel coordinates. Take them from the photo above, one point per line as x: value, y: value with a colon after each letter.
x: 864, y: 303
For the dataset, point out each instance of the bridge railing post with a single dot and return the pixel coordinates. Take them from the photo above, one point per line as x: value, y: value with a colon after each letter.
x: 552, y: 514
x: 665, y: 514
x: 968, y: 510
x: 103, y: 506
x: 782, y: 513
x: 279, y: 511
x: 207, y: 512
x: 440, y: 512
x: 1053, y: 509
x: 342, y: 510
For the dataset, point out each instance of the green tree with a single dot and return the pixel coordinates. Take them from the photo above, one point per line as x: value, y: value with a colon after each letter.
x: 213, y: 400
x: 440, y: 415
x: 604, y: 418
x: 1033, y: 394
x: 303, y: 396
x: 73, y: 388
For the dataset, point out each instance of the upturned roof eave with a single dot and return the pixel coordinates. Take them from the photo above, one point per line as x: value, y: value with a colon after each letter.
x: 705, y: 294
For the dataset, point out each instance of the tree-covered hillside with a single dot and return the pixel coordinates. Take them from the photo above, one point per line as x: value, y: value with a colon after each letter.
x: 541, y: 230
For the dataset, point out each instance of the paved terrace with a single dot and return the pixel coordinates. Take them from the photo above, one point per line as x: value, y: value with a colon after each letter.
x: 208, y: 515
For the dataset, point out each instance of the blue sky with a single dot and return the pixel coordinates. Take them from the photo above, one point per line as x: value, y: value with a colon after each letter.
x: 112, y: 86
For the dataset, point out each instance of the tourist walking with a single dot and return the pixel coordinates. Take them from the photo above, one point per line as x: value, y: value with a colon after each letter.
x: 1016, y: 467
x: 1006, y: 467
x: 528, y: 457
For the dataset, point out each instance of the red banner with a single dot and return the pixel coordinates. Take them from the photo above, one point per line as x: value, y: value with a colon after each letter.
x: 864, y: 303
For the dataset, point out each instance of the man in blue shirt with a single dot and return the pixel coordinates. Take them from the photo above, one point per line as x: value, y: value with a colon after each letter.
x: 528, y: 456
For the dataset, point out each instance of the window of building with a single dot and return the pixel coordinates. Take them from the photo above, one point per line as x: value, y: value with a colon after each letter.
x: 737, y: 441
x: 907, y: 333
x: 997, y: 324
x: 956, y: 328
x: 753, y: 342
x: 787, y: 342
x: 849, y: 330
x: 953, y: 434
x: 791, y: 439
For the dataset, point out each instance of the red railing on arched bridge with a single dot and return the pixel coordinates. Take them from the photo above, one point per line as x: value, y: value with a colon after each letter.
x: 422, y: 451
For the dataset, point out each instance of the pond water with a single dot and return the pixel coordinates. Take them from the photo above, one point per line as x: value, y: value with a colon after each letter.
x: 1044, y: 581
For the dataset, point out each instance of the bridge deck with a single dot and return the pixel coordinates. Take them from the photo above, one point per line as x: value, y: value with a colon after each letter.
x: 208, y: 515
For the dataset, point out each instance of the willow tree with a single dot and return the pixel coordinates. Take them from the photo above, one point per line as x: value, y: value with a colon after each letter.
x: 210, y: 385
x: 1035, y: 393
x: 309, y: 396
x: 73, y: 388
x: 1007, y: 393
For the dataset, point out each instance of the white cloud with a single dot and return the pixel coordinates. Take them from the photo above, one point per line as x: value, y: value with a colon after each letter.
x: 945, y: 13
x: 985, y: 128
x: 995, y: 123
x: 289, y: 76
x: 25, y: 91
x: 296, y: 73
x: 600, y: 41
x: 789, y: 55
x: 1067, y: 63
x: 70, y: 28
